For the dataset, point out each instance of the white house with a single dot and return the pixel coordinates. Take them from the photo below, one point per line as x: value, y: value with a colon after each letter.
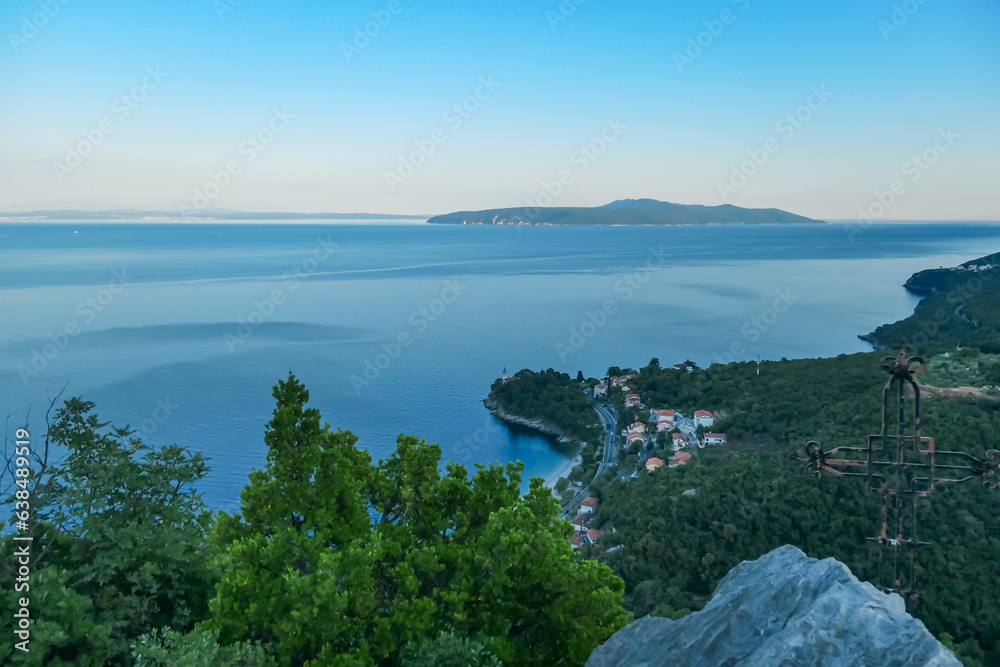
x: 635, y: 436
x: 600, y: 390
x: 679, y: 441
x: 703, y: 418
x: 588, y: 505
x: 637, y: 427
x: 632, y: 401
x: 715, y: 438
x: 581, y: 522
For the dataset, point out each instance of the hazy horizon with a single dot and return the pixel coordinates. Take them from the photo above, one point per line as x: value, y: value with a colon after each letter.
x: 397, y: 108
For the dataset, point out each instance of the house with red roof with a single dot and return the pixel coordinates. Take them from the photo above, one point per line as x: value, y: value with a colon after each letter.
x: 635, y: 436
x: 653, y: 463
x: 632, y: 401
x: 703, y: 418
x: 679, y: 440
x: 593, y: 535
x: 589, y: 505
x: 637, y: 427
x: 600, y: 390
x: 581, y: 522
x: 576, y: 541
x: 679, y: 459
x: 715, y: 438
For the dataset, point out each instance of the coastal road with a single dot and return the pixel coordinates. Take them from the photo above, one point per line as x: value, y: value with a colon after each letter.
x: 609, y: 418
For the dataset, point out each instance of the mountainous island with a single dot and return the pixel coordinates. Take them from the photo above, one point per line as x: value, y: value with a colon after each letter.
x: 626, y: 212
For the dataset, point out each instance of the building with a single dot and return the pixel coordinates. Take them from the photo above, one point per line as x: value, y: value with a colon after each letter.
x: 703, y: 418
x: 653, y: 463
x: 589, y: 505
x: 600, y: 390
x: 715, y: 438
x: 576, y: 541
x: 679, y: 459
x: 505, y: 378
x: 581, y: 522
x: 593, y: 535
x: 637, y: 427
x: 635, y: 436
x: 632, y: 401
x: 679, y: 440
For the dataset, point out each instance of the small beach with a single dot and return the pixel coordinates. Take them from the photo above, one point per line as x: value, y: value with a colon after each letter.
x: 562, y: 471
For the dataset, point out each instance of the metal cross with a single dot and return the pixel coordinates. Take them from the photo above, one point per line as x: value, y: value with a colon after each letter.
x: 913, y: 472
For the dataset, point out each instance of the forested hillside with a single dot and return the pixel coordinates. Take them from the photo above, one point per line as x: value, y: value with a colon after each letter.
x: 550, y: 395
x: 961, y: 308
x: 753, y: 494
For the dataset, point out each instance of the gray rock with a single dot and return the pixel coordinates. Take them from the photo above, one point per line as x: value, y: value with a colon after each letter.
x: 782, y: 609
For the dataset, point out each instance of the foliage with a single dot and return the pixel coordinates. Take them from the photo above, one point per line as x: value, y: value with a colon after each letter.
x: 337, y: 561
x: 753, y: 495
x: 552, y: 396
x: 198, y: 648
x: 962, y: 309
x: 118, y: 543
x: 448, y: 650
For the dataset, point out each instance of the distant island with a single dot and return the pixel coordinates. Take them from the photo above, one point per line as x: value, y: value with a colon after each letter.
x: 626, y: 212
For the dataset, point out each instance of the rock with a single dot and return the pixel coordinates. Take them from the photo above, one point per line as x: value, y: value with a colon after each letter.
x: 782, y: 609
x: 539, y: 425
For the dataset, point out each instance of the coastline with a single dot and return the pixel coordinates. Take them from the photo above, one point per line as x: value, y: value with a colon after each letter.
x: 562, y: 471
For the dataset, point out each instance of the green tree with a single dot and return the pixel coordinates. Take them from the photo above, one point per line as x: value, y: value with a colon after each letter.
x: 341, y: 562
x: 118, y: 544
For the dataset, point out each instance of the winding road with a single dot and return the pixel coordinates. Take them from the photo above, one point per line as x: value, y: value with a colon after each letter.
x: 609, y: 418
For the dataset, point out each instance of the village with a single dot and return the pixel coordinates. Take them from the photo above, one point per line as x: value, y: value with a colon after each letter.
x: 664, y: 431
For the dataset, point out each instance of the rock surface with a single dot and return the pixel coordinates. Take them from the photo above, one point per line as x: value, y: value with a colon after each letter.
x: 539, y: 425
x: 782, y: 609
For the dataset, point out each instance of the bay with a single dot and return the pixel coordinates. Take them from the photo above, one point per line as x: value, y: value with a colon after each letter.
x: 401, y: 328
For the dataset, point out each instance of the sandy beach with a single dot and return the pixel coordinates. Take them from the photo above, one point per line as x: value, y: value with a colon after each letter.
x: 562, y: 471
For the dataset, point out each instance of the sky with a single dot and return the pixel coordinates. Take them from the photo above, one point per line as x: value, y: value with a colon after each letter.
x: 408, y: 107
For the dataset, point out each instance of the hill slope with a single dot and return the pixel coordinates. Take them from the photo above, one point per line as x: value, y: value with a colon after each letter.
x: 625, y: 212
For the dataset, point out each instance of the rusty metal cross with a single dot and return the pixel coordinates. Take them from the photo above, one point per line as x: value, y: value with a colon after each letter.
x: 901, y: 467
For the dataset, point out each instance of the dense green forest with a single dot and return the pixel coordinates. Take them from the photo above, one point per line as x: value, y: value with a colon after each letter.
x: 555, y: 397
x: 962, y: 308
x: 333, y: 560
x: 754, y: 494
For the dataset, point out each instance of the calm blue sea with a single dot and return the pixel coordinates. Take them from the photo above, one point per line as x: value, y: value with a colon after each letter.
x: 181, y: 330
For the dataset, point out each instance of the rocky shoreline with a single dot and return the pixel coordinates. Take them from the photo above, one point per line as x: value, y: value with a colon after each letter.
x: 540, y: 425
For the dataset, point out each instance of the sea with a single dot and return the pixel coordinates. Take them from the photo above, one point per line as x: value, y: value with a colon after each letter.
x: 181, y: 330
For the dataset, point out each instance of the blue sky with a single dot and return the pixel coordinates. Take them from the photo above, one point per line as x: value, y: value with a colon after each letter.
x: 367, y: 126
